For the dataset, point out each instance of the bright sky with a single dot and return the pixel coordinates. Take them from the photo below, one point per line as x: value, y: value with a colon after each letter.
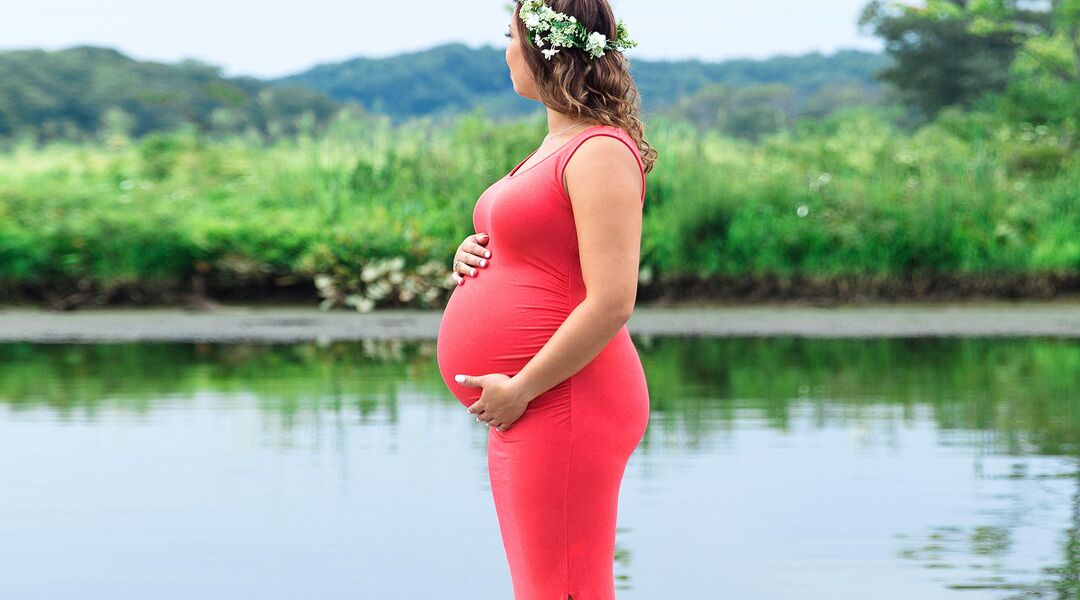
x: 267, y: 38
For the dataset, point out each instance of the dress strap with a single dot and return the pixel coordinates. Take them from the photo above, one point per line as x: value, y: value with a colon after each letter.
x: 608, y: 130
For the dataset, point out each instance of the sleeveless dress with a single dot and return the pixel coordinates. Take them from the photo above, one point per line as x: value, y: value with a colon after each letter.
x: 556, y: 472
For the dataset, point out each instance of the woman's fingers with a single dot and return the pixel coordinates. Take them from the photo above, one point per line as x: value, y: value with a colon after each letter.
x: 485, y: 418
x: 469, y: 256
x: 468, y: 263
x: 459, y: 269
x: 476, y: 249
x: 474, y: 254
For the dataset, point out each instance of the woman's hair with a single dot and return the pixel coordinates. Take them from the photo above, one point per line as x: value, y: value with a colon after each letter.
x: 594, y: 89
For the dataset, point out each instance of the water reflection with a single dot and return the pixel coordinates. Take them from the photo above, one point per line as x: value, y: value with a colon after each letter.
x: 772, y: 468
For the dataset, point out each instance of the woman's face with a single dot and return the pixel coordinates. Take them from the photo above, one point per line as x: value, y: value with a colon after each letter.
x: 524, y: 84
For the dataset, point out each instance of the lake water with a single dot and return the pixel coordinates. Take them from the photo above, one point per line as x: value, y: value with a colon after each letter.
x: 773, y: 468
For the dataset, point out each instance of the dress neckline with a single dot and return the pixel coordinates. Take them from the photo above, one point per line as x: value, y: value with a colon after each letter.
x: 515, y: 172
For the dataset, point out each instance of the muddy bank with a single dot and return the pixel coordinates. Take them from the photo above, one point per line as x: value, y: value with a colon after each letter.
x: 296, y: 324
x: 862, y: 289
x: 832, y: 290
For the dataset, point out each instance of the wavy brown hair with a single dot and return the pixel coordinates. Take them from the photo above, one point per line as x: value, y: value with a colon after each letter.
x: 593, y: 89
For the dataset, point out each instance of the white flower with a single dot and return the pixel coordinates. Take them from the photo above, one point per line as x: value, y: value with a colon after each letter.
x: 547, y: 13
x: 565, y: 31
x: 595, y: 44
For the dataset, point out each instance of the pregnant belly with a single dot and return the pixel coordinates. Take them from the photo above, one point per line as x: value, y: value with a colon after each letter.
x: 495, y: 323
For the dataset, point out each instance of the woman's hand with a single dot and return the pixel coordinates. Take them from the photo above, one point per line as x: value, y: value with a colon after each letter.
x: 501, y: 402
x: 470, y: 254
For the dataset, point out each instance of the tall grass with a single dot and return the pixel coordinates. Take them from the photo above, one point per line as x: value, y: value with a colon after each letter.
x: 847, y: 196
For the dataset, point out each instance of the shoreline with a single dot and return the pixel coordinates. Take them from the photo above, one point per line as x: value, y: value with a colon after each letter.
x: 286, y: 324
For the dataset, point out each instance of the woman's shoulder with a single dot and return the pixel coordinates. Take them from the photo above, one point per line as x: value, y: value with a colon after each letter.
x: 604, y: 150
x: 609, y: 129
x: 601, y: 143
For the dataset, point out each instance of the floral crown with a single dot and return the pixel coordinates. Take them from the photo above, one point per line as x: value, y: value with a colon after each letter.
x: 564, y: 30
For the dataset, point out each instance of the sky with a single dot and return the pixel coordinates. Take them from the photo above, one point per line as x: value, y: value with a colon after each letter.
x: 269, y: 38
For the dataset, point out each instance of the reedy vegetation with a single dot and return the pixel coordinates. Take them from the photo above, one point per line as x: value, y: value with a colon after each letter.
x: 369, y: 214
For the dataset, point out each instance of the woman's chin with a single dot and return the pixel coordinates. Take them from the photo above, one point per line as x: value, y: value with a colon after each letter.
x: 519, y: 92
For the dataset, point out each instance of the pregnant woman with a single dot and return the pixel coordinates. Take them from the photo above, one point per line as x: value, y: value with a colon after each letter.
x: 533, y: 340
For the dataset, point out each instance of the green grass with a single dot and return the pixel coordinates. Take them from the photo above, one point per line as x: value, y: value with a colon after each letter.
x: 849, y: 196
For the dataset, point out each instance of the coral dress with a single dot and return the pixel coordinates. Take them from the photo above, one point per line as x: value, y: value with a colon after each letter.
x: 555, y: 473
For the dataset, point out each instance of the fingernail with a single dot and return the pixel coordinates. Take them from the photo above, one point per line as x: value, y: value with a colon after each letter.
x: 472, y: 271
x: 483, y: 263
x: 487, y: 253
x: 459, y: 378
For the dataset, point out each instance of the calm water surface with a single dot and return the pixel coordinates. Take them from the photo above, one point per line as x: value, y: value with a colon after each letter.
x: 773, y: 468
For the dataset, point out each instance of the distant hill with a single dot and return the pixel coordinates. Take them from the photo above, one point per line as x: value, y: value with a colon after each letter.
x: 81, y: 91
x: 444, y: 79
x: 87, y: 91
x: 454, y: 77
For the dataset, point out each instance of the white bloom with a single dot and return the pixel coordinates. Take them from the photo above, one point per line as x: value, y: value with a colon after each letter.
x: 563, y: 30
x: 595, y: 44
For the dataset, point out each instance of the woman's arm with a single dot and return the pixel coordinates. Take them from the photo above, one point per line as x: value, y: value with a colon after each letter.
x: 603, y: 181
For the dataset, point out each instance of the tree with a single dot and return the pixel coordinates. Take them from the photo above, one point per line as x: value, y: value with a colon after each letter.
x: 944, y: 53
x: 1044, y: 78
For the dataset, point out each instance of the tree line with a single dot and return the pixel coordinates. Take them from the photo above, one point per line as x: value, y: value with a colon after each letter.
x: 1018, y: 60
